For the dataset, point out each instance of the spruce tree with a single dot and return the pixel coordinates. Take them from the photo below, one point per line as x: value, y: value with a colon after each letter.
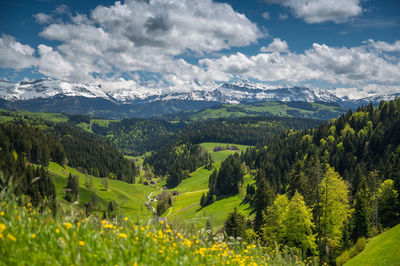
x: 263, y: 197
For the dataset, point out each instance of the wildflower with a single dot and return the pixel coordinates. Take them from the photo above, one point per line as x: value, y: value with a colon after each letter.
x: 2, y: 227
x: 19, y: 218
x: 122, y: 235
x: 126, y: 219
x: 33, y: 236
x: 57, y: 231
x: 2, y: 213
x: 11, y: 237
x: 68, y: 225
x: 81, y: 243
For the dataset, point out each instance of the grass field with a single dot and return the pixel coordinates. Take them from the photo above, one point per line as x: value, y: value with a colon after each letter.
x: 130, y: 197
x: 30, y: 237
x: 383, y: 249
x: 186, y: 208
x: 312, y: 110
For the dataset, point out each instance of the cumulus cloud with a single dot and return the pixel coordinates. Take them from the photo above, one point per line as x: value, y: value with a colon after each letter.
x: 317, y: 11
x: 43, y: 18
x: 148, y: 35
x: 15, y: 55
x: 356, y: 66
x: 384, y: 46
x: 277, y: 45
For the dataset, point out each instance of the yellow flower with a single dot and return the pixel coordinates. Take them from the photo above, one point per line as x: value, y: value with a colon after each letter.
x: 33, y: 236
x: 81, y: 243
x: 2, y: 227
x: 126, y: 219
x: 122, y: 235
x: 57, y: 231
x: 68, y: 225
x: 11, y: 237
x: 19, y: 218
x: 2, y: 213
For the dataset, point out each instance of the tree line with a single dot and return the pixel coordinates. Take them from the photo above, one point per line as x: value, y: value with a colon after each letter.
x: 321, y: 189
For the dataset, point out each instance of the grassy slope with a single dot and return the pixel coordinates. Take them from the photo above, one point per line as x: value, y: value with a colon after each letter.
x: 274, y: 108
x: 185, y: 208
x: 131, y: 197
x: 381, y: 250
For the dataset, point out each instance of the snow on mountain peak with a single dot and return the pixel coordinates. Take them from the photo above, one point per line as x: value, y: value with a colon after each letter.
x: 130, y: 91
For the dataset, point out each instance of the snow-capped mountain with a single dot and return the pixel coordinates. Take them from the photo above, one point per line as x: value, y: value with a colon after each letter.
x: 46, y: 88
x: 239, y: 92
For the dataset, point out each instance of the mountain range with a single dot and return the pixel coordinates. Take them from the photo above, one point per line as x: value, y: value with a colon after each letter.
x: 59, y: 96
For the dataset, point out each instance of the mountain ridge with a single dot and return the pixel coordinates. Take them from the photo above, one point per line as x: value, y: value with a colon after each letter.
x: 60, y: 96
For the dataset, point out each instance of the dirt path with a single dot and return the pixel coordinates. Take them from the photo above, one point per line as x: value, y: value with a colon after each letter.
x: 190, y: 206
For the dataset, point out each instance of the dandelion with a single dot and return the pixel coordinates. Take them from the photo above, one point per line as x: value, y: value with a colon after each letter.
x: 57, y: 231
x: 2, y: 227
x: 33, y: 236
x: 19, y: 218
x: 122, y: 235
x: 81, y: 243
x: 2, y: 213
x: 126, y: 219
x: 68, y: 225
x: 11, y: 237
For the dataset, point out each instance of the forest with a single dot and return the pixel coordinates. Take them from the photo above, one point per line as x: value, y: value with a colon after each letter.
x: 317, y: 189
x: 321, y: 190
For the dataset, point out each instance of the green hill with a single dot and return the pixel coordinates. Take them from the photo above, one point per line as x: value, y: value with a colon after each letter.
x: 380, y: 250
x: 186, y: 206
x: 323, y: 111
x: 130, y: 197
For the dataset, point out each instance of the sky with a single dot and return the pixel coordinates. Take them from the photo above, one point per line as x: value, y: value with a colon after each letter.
x: 350, y: 45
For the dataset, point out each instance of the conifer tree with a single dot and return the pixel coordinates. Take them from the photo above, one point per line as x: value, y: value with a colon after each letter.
x: 263, y: 197
x: 235, y: 224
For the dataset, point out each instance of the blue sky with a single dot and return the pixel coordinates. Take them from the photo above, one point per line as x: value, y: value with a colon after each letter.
x: 352, y: 45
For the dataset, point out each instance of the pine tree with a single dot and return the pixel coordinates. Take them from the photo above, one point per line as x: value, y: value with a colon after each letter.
x: 235, y: 224
x: 263, y: 197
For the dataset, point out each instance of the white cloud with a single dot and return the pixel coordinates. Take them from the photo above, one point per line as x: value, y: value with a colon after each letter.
x: 283, y: 16
x: 15, y: 55
x: 317, y: 11
x: 266, y: 15
x: 353, y: 93
x: 384, y: 46
x: 277, y: 45
x: 51, y: 63
x: 352, y: 66
x: 146, y: 36
x: 43, y: 18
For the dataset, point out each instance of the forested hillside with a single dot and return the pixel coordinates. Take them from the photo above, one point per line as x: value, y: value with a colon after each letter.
x: 136, y: 136
x: 23, y: 146
x: 337, y: 182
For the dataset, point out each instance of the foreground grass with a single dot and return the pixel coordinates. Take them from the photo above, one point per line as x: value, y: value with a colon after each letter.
x: 30, y: 237
x: 383, y: 249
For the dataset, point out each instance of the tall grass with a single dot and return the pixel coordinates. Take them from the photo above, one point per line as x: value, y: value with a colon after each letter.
x: 28, y: 236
